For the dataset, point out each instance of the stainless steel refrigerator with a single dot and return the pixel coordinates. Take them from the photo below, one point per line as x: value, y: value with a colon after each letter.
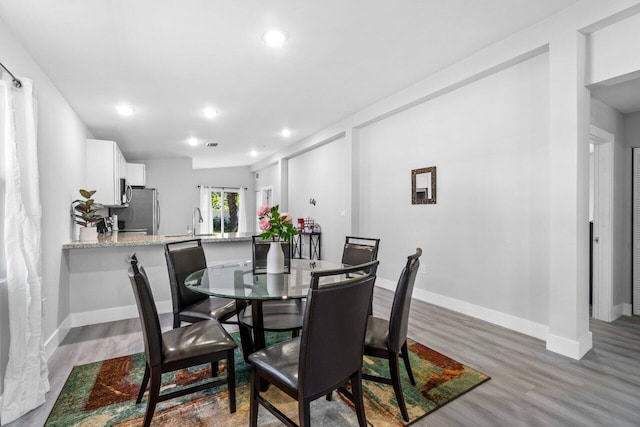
x: 143, y: 212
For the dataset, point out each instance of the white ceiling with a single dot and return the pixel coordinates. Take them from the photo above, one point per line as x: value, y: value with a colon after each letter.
x: 624, y: 97
x: 170, y: 58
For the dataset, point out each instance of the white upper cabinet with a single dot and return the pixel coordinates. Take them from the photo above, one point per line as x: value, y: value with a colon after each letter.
x: 136, y: 174
x: 106, y: 167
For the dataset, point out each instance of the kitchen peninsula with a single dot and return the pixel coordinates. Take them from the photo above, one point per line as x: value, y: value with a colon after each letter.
x: 138, y: 239
x: 99, y: 287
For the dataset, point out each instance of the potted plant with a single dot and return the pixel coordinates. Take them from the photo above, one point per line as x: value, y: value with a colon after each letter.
x: 275, y: 226
x: 86, y: 215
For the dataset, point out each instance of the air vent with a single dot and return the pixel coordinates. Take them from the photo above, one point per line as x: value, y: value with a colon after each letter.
x: 212, y: 144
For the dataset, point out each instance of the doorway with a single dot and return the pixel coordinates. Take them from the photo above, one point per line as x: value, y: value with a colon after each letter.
x: 601, y: 209
x: 264, y: 196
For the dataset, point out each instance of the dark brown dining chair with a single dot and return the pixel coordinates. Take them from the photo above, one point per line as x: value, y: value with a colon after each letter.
x: 260, y: 250
x: 192, y: 345
x: 184, y: 258
x: 388, y: 338
x: 278, y: 316
x: 359, y: 250
x: 327, y: 355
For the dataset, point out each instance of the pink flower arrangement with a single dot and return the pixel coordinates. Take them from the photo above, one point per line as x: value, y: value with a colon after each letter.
x: 265, y: 224
x: 275, y: 225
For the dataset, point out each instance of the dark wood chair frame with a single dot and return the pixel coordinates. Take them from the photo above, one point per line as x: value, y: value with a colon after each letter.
x: 397, y: 335
x: 367, y: 246
x: 179, y: 291
x: 261, y: 254
x: 308, y: 388
x: 155, y: 366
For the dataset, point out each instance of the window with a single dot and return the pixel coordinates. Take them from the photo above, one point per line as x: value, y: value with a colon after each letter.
x: 225, y: 207
x: 221, y: 210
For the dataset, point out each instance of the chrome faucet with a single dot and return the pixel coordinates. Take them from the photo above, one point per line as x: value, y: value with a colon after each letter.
x: 193, y: 220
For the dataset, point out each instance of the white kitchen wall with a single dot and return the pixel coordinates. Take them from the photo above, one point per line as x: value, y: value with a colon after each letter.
x: 612, y: 121
x: 486, y: 240
x: 179, y: 195
x: 323, y: 174
x: 61, y: 152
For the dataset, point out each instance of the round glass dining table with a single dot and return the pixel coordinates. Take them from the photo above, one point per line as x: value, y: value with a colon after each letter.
x: 236, y: 280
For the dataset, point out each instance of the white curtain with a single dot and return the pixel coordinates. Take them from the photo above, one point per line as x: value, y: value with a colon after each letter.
x: 206, y: 227
x: 26, y: 378
x: 242, y: 214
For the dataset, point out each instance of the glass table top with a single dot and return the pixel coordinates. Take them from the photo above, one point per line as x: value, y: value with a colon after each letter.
x: 236, y: 280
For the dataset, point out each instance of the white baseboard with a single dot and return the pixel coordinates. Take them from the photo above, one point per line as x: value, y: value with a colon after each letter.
x: 56, y: 338
x: 518, y: 324
x: 94, y: 317
x: 623, y: 309
x: 570, y: 348
x: 112, y: 314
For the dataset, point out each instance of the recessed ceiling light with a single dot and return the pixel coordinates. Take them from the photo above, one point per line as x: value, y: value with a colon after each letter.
x: 253, y: 153
x: 192, y: 141
x: 209, y: 113
x: 275, y: 38
x: 124, y: 110
x: 286, y: 133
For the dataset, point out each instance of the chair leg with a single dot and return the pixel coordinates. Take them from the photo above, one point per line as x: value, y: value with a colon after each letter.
x: 246, y: 341
x: 176, y: 321
x: 154, y: 392
x: 356, y: 389
x: 295, y: 333
x: 231, y: 381
x: 407, y: 365
x: 214, y: 369
x: 304, y: 413
x: 143, y: 386
x: 397, y: 387
x: 253, y: 402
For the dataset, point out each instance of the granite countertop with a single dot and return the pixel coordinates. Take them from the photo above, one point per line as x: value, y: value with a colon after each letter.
x: 139, y: 239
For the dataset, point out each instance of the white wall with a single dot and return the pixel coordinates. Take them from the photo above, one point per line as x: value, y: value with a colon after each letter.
x: 179, y: 195
x: 61, y: 152
x: 632, y: 129
x: 564, y: 191
x: 612, y: 121
x: 615, y: 51
x: 485, y: 241
x: 323, y: 174
x: 632, y: 135
x: 269, y: 177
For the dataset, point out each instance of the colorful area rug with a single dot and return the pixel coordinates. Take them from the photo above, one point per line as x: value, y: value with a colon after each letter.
x: 104, y: 393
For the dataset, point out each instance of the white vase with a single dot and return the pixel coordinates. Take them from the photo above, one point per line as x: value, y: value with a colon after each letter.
x: 275, y: 284
x: 275, y: 258
x: 88, y: 234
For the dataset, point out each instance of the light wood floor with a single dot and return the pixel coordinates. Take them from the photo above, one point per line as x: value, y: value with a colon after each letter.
x: 529, y: 387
